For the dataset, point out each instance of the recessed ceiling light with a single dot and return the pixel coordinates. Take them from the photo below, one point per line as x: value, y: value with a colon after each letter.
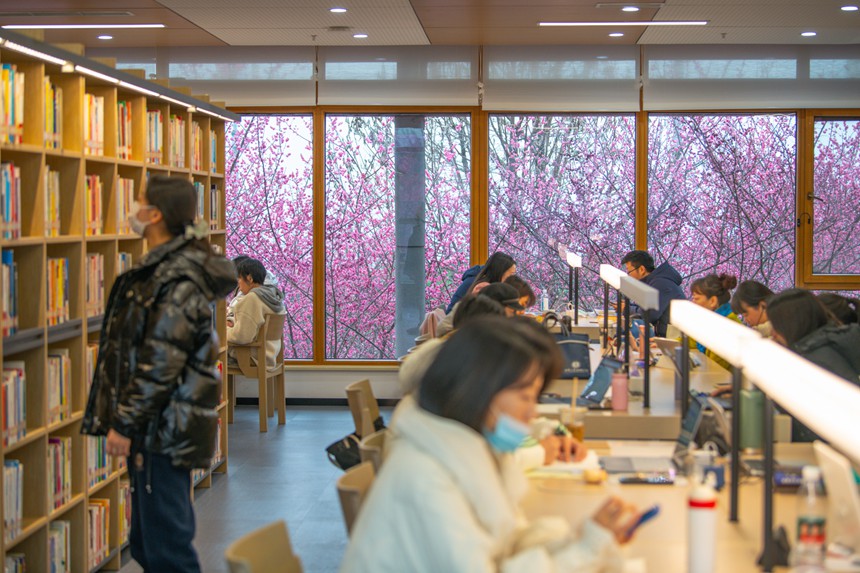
x: 105, y: 37
x: 630, y: 9
x: 337, y: 10
x: 850, y: 8
x: 77, y: 26
x: 602, y: 57
x: 808, y: 34
x: 359, y: 36
x: 637, y: 23
x: 616, y: 34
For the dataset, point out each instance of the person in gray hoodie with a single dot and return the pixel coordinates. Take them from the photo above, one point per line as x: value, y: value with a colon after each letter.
x: 249, y: 313
x: 667, y: 281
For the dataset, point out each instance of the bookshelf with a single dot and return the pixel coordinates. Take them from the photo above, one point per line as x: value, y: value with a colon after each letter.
x: 76, y: 149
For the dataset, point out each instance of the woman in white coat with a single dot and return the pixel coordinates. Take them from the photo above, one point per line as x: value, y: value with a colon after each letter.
x: 446, y: 499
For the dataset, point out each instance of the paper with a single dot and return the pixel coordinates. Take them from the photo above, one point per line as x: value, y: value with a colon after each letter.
x: 642, y: 449
x: 591, y: 462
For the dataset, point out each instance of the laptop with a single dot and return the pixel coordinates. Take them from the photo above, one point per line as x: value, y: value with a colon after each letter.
x: 656, y: 464
x: 671, y: 349
x: 598, y: 384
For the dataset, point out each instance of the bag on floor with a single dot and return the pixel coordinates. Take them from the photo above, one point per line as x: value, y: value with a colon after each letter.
x: 344, y: 453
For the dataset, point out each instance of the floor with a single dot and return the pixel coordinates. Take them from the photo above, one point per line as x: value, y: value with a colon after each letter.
x: 281, y: 474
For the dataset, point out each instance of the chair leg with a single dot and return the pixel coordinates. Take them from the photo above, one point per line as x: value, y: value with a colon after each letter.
x: 231, y: 398
x: 281, y: 399
x: 263, y: 392
x: 270, y: 388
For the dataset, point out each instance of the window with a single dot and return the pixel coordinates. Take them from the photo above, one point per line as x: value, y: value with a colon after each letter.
x: 836, y: 189
x: 564, y: 177
x: 270, y: 212
x: 397, y: 195
x: 721, y: 193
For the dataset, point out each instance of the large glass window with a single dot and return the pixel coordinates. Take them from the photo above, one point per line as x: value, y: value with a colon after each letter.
x: 721, y: 195
x: 836, y: 197
x: 397, y: 191
x: 270, y: 212
x: 564, y: 177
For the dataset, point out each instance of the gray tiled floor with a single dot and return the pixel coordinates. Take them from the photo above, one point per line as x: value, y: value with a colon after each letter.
x: 282, y: 474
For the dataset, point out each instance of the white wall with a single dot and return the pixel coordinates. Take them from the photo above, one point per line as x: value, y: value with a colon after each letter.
x: 302, y: 382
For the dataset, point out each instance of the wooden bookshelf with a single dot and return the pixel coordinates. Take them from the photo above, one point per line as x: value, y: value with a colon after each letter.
x: 52, y: 146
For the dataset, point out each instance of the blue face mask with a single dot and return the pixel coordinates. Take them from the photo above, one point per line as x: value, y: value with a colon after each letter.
x: 508, y: 433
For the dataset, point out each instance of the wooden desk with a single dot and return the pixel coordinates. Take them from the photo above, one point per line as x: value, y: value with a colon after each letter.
x: 663, y: 542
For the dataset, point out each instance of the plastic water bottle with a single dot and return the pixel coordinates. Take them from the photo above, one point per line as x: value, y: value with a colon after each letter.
x: 811, y: 521
x: 544, y: 301
x: 702, y: 527
x: 619, y: 391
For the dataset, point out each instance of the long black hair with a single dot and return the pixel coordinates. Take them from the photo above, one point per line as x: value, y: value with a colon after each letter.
x: 719, y: 286
x: 485, y: 356
x: 845, y: 309
x: 176, y: 198
x: 752, y: 294
x: 796, y: 313
x: 496, y: 266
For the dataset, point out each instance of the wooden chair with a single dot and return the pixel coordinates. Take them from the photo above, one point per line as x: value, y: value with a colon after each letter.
x: 352, y: 487
x: 371, y: 447
x: 270, y: 382
x: 263, y: 550
x: 363, y: 405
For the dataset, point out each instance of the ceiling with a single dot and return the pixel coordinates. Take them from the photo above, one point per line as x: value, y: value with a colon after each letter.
x: 439, y: 22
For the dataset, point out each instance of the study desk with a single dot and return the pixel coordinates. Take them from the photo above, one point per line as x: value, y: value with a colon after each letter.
x: 662, y: 543
x: 660, y: 422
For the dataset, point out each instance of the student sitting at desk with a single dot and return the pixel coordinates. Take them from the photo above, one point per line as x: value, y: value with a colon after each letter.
x: 249, y: 314
x: 447, y: 497
x: 804, y: 325
x: 667, y: 281
x: 714, y: 292
x: 750, y: 303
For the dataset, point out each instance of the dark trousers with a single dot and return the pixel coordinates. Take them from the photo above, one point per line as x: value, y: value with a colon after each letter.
x: 162, y: 519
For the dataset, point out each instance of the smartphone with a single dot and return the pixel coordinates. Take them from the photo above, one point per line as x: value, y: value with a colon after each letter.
x: 644, y: 518
x: 647, y: 479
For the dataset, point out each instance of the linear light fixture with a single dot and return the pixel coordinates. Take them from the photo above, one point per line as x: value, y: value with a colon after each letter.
x: 629, y: 23
x: 724, y: 336
x: 138, y: 89
x: 77, y: 26
x: 31, y: 52
x: 95, y: 74
x: 189, y: 106
x: 213, y: 114
x: 611, y: 275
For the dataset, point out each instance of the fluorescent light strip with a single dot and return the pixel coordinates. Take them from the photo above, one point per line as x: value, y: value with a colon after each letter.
x: 639, y: 23
x: 77, y: 26
x: 611, y: 275
x: 185, y: 104
x: 96, y: 74
x: 723, y: 335
x: 32, y: 52
x: 213, y: 114
x: 138, y: 88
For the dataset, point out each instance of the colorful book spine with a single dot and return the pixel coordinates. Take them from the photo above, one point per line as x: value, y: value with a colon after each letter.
x: 58, y: 291
x: 15, y: 563
x: 214, y: 207
x: 92, y: 354
x: 94, y: 124
x: 59, y: 547
x: 196, y: 146
x: 98, y: 514
x: 95, y: 284
x: 213, y: 151
x: 201, y: 200
x: 53, y: 114
x: 123, y: 262
x: 154, y: 136
x: 59, y: 471
x: 52, y: 203
x: 123, y: 130
x: 10, y: 201
x: 124, y: 202
x: 14, y: 401
x: 95, y: 213
x: 124, y: 511
x: 9, y: 294
x: 59, y: 385
x: 176, y: 139
x: 13, y: 498
x: 12, y: 94
x: 98, y: 461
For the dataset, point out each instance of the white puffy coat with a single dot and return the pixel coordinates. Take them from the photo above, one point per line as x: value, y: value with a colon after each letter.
x: 443, y: 502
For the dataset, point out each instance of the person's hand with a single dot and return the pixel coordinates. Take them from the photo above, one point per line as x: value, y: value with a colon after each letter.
x: 229, y: 322
x: 721, y: 390
x: 563, y: 448
x: 117, y: 444
x: 551, y: 448
x: 618, y: 517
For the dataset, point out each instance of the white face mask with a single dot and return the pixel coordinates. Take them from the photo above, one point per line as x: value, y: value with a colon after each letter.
x: 136, y: 224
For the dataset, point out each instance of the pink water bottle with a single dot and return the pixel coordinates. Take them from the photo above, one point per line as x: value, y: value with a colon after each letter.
x: 619, y: 391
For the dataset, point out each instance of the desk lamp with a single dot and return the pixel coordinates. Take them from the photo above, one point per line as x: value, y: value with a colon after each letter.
x: 647, y: 298
x: 574, y: 263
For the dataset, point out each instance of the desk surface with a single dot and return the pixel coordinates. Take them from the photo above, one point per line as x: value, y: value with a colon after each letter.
x: 663, y: 542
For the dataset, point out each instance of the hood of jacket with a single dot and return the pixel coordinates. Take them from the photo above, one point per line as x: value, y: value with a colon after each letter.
x: 471, y: 273
x: 271, y: 296
x: 214, y: 274
x: 665, y: 272
x: 493, y: 484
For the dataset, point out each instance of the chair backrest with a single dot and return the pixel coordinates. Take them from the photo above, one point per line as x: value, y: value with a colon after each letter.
x: 431, y: 320
x: 352, y: 487
x: 263, y: 550
x: 371, y: 448
x: 275, y: 331
x: 362, y: 403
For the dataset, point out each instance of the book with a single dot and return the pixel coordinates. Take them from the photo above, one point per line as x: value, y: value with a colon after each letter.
x: 94, y: 124
x: 14, y: 401
x: 8, y: 293
x: 124, y: 203
x: 98, y: 514
x: 59, y: 471
x: 123, y: 130
x: 13, y: 498
x: 176, y: 141
x: 59, y: 384
x: 154, y: 136
x: 10, y: 201
x: 95, y: 215
x: 95, y: 284
x: 52, y: 203
x: 58, y: 291
x: 53, y: 114
x: 59, y: 547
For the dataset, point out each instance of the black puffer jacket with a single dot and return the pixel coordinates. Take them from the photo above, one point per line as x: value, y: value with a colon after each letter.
x: 155, y: 379
x: 834, y: 348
